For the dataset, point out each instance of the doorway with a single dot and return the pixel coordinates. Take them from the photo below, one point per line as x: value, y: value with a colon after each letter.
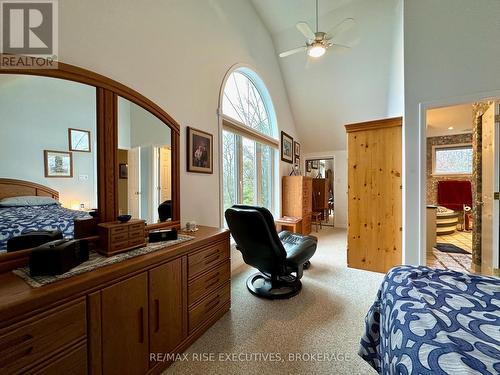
x: 461, y: 179
x: 322, y: 172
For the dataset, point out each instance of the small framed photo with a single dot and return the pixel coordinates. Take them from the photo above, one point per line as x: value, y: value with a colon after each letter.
x: 199, y: 151
x: 79, y: 140
x: 286, y: 148
x: 123, y: 171
x: 296, y: 148
x: 58, y: 163
x: 315, y: 164
x: 297, y: 161
x: 308, y: 166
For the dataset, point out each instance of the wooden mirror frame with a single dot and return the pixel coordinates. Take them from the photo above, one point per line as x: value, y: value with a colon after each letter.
x: 107, y: 92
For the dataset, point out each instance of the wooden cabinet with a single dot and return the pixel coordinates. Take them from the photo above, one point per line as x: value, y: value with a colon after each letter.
x: 166, y: 306
x: 296, y: 199
x: 321, y: 194
x: 124, y: 320
x: 374, y: 194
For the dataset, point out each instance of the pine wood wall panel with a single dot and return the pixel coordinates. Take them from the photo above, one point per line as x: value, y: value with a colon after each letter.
x: 375, y: 195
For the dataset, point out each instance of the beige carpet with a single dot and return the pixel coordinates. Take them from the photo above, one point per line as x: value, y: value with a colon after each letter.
x: 326, y: 318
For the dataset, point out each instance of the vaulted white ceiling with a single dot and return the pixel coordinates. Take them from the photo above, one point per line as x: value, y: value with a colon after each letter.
x: 339, y: 88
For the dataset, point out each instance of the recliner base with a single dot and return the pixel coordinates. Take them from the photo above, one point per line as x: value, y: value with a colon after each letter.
x: 273, y: 289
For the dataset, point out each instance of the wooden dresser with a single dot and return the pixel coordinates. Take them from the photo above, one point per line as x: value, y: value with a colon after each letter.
x: 296, y: 199
x: 108, y: 321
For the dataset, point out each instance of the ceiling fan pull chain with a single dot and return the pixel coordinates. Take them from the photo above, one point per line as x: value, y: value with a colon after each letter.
x: 317, y: 18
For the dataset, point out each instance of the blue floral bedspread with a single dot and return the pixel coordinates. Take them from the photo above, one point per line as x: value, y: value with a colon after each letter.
x: 14, y: 220
x: 427, y: 321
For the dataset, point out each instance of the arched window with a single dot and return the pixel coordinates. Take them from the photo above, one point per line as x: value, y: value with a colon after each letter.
x: 249, y: 144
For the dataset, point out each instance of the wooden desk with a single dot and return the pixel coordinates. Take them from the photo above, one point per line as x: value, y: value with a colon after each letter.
x: 293, y: 224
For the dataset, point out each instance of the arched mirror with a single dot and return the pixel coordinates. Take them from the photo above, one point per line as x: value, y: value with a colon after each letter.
x: 77, y: 145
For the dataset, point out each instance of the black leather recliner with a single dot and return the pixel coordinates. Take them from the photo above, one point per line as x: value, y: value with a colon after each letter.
x: 276, y: 256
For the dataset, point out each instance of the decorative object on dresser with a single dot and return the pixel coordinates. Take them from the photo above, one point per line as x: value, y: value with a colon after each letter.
x: 286, y: 148
x: 297, y: 199
x: 199, y: 151
x: 116, y: 237
x: 58, y: 163
x: 58, y: 257
x: 79, y: 140
x: 374, y: 152
x: 162, y: 235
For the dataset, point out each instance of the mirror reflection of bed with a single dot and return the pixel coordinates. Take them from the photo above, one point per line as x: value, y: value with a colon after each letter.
x: 55, y: 166
x: 144, y: 164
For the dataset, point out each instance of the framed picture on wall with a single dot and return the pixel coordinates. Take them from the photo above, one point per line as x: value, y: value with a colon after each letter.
x: 296, y: 148
x: 297, y: 161
x: 58, y: 163
x: 315, y: 164
x: 79, y: 140
x: 199, y: 151
x: 286, y: 148
x: 123, y: 171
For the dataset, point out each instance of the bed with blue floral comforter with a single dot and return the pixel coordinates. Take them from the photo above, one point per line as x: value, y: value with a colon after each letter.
x: 428, y: 321
x: 15, y: 220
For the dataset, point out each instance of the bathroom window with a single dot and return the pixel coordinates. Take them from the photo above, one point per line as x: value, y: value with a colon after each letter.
x: 452, y: 160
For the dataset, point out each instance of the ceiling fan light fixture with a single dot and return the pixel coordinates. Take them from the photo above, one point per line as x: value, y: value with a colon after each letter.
x: 316, y: 50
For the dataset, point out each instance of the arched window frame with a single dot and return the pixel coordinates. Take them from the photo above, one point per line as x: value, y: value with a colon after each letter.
x: 242, y: 131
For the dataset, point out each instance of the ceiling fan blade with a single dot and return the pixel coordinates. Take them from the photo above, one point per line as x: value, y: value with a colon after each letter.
x: 340, y: 28
x: 292, y: 51
x: 340, y: 48
x: 304, y: 28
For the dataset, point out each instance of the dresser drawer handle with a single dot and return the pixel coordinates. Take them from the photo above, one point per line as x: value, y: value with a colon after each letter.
x: 214, y: 258
x: 208, y: 286
x: 15, y: 357
x: 141, y: 325
x: 210, y: 305
x: 18, y: 340
x: 212, y: 253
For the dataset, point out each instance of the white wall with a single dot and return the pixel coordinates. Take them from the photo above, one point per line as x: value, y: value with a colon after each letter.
x: 339, y: 183
x: 176, y: 53
x: 452, y: 55
x: 36, y: 113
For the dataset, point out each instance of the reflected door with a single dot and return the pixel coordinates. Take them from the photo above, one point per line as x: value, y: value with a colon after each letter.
x: 165, y: 187
x: 490, y: 211
x: 134, y: 181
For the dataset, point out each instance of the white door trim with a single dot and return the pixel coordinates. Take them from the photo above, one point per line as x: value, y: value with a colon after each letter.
x: 422, y: 196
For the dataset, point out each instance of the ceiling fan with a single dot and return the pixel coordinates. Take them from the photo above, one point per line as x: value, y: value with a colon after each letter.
x: 318, y: 42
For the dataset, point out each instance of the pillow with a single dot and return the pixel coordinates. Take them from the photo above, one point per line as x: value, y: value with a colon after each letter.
x: 28, y: 201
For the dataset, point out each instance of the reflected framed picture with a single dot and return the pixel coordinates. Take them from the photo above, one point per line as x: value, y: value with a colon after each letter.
x: 286, y: 148
x: 308, y: 166
x: 296, y: 149
x: 123, y: 171
x: 199, y: 151
x: 79, y: 140
x: 315, y: 164
x: 58, y: 163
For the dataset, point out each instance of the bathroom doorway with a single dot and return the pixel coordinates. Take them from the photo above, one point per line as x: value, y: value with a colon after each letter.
x: 462, y: 178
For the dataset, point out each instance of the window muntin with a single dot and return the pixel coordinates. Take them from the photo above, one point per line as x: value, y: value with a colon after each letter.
x: 452, y: 160
x: 249, y: 158
x: 243, y: 102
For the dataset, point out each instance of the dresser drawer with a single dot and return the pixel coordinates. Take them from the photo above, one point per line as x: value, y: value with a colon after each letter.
x: 136, y: 227
x: 206, y: 259
x: 137, y: 233
x: 38, y: 337
x: 208, y: 306
x: 119, y: 237
x: 119, y: 245
x: 119, y: 229
x: 207, y: 283
x: 73, y: 362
